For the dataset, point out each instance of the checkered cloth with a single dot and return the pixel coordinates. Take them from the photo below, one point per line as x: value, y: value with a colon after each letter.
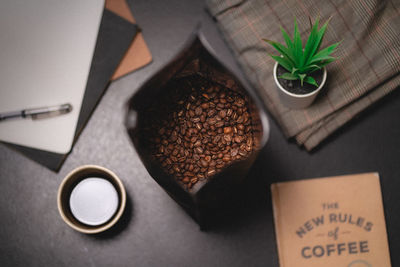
x: 367, y: 69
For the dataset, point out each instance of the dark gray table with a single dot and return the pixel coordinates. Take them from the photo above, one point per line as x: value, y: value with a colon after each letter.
x: 155, y: 231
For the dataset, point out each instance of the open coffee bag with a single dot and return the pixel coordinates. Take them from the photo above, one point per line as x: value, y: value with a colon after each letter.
x: 197, y: 130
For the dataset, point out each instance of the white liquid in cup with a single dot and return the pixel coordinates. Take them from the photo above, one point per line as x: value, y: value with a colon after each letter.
x: 94, y: 201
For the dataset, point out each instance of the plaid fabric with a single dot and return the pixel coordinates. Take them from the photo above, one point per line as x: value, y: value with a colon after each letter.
x: 367, y: 69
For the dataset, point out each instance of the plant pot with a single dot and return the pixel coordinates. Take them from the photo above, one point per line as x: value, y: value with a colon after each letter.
x: 297, y: 101
x: 206, y: 197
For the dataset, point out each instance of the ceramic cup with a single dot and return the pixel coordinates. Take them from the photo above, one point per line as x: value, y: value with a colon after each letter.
x: 73, y: 181
x: 295, y: 101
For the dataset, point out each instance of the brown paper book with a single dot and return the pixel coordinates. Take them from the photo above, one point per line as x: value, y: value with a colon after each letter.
x: 138, y: 54
x: 331, y: 222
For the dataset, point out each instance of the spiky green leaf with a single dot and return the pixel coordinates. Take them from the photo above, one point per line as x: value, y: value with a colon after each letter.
x: 311, y: 81
x: 310, y: 68
x: 318, y: 60
x: 326, y: 62
x: 298, y: 46
x: 284, y: 62
x: 288, y: 41
x: 325, y: 52
x: 318, y: 41
x: 281, y: 49
x: 311, y: 41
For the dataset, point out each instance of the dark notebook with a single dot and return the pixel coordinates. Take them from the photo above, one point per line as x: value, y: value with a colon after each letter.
x: 114, y: 38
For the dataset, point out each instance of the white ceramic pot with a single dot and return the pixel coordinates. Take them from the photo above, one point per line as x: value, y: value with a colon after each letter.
x: 295, y: 101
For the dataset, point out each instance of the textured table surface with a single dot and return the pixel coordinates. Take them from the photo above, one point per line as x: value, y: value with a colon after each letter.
x: 155, y: 231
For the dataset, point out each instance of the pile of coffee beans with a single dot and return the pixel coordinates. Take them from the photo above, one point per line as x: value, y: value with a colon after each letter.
x: 197, y: 128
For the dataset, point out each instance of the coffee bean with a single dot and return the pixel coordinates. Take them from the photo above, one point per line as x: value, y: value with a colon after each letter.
x: 186, y: 180
x: 198, y: 111
x: 242, y: 153
x: 197, y: 143
x: 189, y: 174
x: 205, y: 105
x: 216, y: 139
x: 239, y: 102
x: 161, y: 131
x: 206, y: 96
x: 227, y: 138
x: 238, y: 139
x: 249, y: 141
x: 204, y: 163
x: 219, y: 124
x: 234, y: 152
x: 211, y: 112
x: 226, y: 158
x: 210, y: 172
x: 212, y: 121
x: 227, y: 130
x: 199, y: 150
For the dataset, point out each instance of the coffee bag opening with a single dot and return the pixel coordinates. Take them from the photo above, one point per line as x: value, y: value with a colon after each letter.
x: 198, y: 130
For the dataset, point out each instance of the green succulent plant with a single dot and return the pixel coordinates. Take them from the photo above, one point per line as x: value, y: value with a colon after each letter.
x: 299, y: 61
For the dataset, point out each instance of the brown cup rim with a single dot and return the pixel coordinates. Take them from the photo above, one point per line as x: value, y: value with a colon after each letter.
x: 93, y: 229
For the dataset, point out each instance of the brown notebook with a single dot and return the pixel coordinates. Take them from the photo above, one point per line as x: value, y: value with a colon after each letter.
x: 331, y: 222
x: 138, y: 54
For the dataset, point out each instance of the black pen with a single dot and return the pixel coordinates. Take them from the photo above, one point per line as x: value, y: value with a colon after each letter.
x: 38, y: 113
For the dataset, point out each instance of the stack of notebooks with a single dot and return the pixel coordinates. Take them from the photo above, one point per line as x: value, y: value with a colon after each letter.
x: 119, y: 49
